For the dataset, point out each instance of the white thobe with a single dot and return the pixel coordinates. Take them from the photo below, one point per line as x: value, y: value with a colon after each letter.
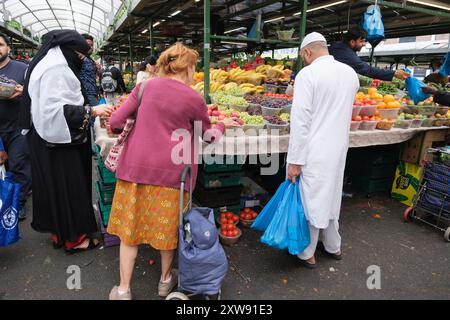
x: 320, y: 124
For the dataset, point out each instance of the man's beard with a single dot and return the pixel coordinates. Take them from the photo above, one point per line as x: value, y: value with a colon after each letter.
x: 3, y: 57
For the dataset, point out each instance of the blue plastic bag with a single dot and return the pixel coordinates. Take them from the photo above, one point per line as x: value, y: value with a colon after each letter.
x: 373, y: 24
x: 445, y: 68
x: 265, y: 217
x: 414, y: 87
x: 102, y: 101
x: 9, y: 213
x: 288, y: 227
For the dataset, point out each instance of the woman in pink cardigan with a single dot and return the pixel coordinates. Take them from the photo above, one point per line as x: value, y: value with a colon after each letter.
x: 146, y: 201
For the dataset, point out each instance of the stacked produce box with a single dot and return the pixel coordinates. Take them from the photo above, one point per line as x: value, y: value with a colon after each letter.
x: 105, y: 187
x: 219, y: 185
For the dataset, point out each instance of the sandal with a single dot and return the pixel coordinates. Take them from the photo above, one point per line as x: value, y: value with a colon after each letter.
x: 92, y: 245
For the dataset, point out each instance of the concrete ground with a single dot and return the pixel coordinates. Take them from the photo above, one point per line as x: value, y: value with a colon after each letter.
x: 413, y: 259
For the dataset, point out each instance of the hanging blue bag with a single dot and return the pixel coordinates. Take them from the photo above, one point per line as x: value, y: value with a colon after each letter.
x: 373, y: 24
x: 9, y: 213
x: 265, y: 217
x: 444, y: 70
x: 414, y: 87
x: 288, y: 228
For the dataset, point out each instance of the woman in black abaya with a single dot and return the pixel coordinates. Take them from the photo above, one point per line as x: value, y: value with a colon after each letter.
x: 56, y: 114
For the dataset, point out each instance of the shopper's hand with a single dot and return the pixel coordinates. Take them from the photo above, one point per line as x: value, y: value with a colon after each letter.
x: 17, y: 92
x: 294, y: 171
x: 103, y: 110
x: 430, y: 90
x: 401, y: 74
x: 3, y: 157
x: 230, y: 123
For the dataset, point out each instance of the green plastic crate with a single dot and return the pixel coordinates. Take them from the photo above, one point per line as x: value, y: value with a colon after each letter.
x: 219, y: 180
x: 373, y: 185
x: 236, y: 164
x: 105, y: 211
x: 106, y: 176
x: 105, y: 197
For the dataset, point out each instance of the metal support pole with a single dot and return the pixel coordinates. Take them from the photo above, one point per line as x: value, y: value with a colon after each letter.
x: 258, y: 27
x: 207, y: 47
x: 131, y: 55
x: 302, y: 31
x: 120, y: 59
x: 150, y: 28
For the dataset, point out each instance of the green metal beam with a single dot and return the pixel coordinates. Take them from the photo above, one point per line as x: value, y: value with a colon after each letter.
x: 207, y: 47
x: 245, y: 40
x: 152, y: 44
x: 302, y: 31
x: 389, y: 4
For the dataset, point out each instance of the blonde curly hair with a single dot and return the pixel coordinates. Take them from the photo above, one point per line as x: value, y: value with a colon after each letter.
x: 176, y: 59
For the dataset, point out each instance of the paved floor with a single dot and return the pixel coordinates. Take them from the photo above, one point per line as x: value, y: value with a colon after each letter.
x: 413, y: 258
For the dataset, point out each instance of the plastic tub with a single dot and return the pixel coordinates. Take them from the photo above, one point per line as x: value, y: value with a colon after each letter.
x: 439, y: 122
x: 368, y: 125
x: 442, y: 110
x: 356, y: 111
x: 411, y: 109
x: 416, y: 123
x: 390, y: 114
x: 7, y: 90
x: 238, y: 108
x: 285, y: 35
x: 354, y: 126
x: 252, y: 129
x: 429, y: 122
x: 270, y: 111
x: 404, y: 124
x: 270, y: 88
x: 287, y: 109
x: 282, y: 128
x: 385, y: 125
x: 368, y: 111
x: 427, y: 110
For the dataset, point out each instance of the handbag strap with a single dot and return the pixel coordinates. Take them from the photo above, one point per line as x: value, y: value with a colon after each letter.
x: 139, y: 97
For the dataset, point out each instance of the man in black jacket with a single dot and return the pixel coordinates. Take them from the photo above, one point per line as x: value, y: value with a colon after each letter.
x: 111, y: 80
x: 345, y: 52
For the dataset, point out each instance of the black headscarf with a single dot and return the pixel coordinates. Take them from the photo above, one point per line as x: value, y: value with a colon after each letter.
x: 69, y: 41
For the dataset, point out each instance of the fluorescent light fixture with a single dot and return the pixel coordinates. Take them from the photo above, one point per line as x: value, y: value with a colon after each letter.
x: 237, y: 29
x: 156, y: 24
x: 175, y: 13
x: 145, y: 31
x: 275, y: 19
x: 322, y: 7
x: 197, y: 0
x: 431, y: 4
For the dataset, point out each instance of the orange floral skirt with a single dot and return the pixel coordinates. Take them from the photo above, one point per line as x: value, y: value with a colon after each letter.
x: 146, y: 214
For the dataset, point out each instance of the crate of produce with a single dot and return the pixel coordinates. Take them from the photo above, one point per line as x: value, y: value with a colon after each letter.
x: 368, y: 125
x: 389, y: 113
x: 427, y: 110
x: 217, y: 197
x: 105, y: 197
x: 442, y: 110
x: 385, y: 124
x: 428, y: 122
x: 354, y: 126
x: 404, y: 124
x: 368, y: 111
x: 214, y: 163
x: 253, y: 195
x: 219, y: 180
x: 356, y: 111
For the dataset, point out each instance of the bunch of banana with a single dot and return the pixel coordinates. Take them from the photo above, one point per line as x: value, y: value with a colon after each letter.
x: 219, y: 75
x: 216, y: 86
x: 199, y: 87
x: 263, y: 68
x: 251, y: 88
x: 276, y: 72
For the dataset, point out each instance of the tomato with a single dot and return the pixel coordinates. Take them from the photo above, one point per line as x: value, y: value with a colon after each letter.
x: 242, y: 215
x: 247, y: 210
x: 235, y: 218
x: 254, y: 215
x: 358, y: 118
x: 230, y: 221
x: 365, y: 118
x: 223, y: 215
x: 235, y: 233
x: 223, y: 221
x: 230, y: 215
x: 248, y: 216
x: 230, y: 227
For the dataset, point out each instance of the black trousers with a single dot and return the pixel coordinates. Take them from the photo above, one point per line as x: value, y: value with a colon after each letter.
x: 18, y: 163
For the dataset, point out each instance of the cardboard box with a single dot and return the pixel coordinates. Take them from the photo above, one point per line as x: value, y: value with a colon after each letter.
x: 415, y: 150
x: 406, y: 183
x: 253, y: 195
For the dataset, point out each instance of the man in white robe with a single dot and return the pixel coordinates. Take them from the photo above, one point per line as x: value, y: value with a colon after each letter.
x: 320, y: 123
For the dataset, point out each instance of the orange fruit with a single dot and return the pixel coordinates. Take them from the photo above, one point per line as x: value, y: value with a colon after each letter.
x: 388, y: 98
x: 372, y: 91
x: 393, y: 105
x: 381, y: 105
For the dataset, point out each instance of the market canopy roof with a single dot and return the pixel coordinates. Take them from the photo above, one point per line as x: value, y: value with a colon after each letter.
x: 184, y: 19
x: 42, y: 16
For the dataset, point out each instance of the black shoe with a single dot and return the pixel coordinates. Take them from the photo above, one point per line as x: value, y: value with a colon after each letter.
x: 91, y: 246
x: 321, y: 247
x: 307, y: 265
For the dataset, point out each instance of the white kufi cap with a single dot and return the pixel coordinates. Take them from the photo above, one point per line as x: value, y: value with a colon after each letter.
x: 312, y: 37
